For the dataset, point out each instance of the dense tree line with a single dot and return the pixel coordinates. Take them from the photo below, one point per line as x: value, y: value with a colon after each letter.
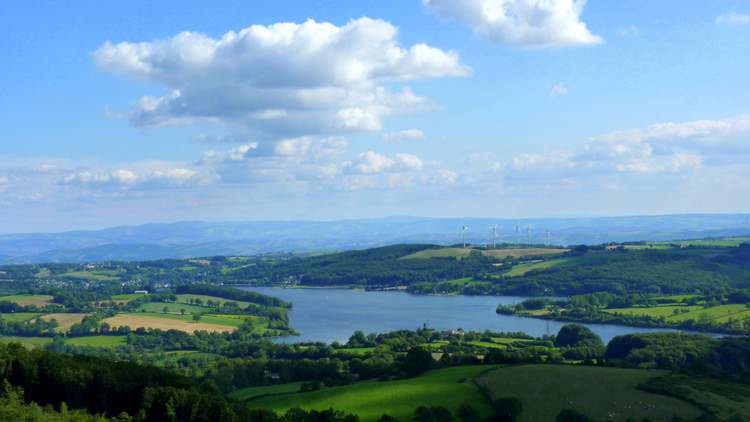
x: 376, y: 267
x: 232, y: 293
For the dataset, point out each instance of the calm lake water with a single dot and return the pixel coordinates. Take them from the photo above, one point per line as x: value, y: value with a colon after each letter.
x: 334, y: 314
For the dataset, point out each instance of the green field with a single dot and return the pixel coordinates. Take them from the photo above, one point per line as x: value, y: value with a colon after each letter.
x: 158, y: 307
x: 250, y: 393
x: 97, y: 341
x: 356, y: 351
x: 98, y: 275
x: 370, y: 399
x: 128, y: 296
x: 494, y: 253
x: 183, y: 298
x: 676, y: 313
x: 27, y: 342
x: 600, y: 393
x: 723, y: 242
x: 723, y: 399
x: 19, y: 316
x: 521, y: 269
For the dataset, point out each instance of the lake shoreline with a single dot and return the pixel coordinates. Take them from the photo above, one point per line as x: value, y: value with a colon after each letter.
x: 334, y: 314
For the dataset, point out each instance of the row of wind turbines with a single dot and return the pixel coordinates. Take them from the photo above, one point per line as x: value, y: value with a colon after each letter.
x: 493, y: 231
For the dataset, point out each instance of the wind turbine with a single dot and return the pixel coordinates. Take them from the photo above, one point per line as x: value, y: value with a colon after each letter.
x: 494, y: 235
x: 464, y: 229
x: 528, y: 235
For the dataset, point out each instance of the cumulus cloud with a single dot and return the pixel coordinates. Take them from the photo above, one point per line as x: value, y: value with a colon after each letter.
x: 407, y: 134
x: 733, y: 18
x: 526, y: 23
x: 141, y: 175
x: 669, y: 147
x: 281, y: 80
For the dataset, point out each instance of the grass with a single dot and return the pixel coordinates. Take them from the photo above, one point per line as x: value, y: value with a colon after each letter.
x: 721, y: 398
x: 251, y: 393
x: 65, y: 321
x: 210, y: 323
x: 98, y: 275
x: 521, y: 269
x: 28, y: 300
x: 27, y: 342
x: 494, y: 253
x: 19, y: 316
x: 356, y: 351
x: 183, y: 298
x: 176, y: 308
x: 723, y: 242
x: 128, y: 296
x: 97, y: 341
x: 717, y: 314
x: 369, y: 400
x: 43, y: 273
x: 600, y: 393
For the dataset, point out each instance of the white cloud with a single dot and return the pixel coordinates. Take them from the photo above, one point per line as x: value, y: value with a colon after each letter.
x: 558, y: 90
x: 281, y: 80
x: 407, y: 134
x: 372, y: 162
x: 733, y: 18
x: 661, y: 148
x: 141, y: 175
x: 527, y: 23
x: 695, y: 129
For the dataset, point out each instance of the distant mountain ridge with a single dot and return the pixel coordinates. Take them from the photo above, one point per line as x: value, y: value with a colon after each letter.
x: 196, y: 238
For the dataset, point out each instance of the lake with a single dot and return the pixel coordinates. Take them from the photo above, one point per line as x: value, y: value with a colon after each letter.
x: 329, y: 315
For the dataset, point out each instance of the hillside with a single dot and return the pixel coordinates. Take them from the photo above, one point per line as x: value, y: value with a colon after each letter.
x: 192, y: 239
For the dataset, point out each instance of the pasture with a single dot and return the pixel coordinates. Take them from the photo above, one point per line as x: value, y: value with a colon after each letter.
x: 97, y: 275
x: 600, y: 393
x: 128, y: 296
x: 678, y: 313
x: 28, y: 300
x: 19, y: 316
x: 96, y: 341
x: 186, y: 298
x: 459, y: 253
x: 250, y: 393
x: 175, y: 308
x: 65, y: 321
x: 722, y: 242
x: 524, y: 268
x: 371, y: 399
x: 27, y: 342
x: 166, y: 322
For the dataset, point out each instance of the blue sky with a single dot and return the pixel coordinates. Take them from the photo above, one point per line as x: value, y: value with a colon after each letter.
x: 505, y: 108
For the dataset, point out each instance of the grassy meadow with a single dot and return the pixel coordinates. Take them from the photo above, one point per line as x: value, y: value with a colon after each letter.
x: 96, y: 341
x: 524, y: 268
x: 370, y: 399
x: 600, y: 393
x: 19, y: 316
x: 494, y: 253
x: 678, y: 313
